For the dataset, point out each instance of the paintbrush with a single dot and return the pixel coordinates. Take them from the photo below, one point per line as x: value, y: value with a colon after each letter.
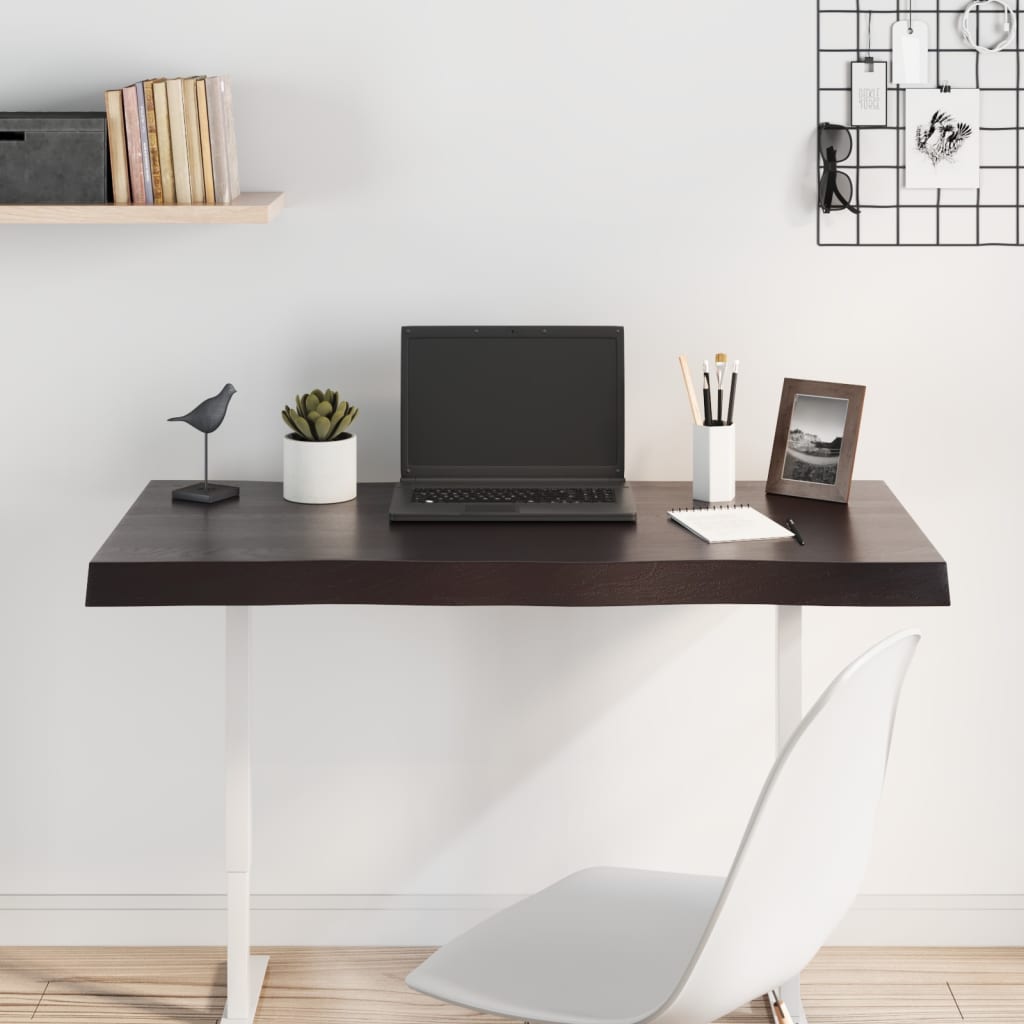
x: 721, y: 362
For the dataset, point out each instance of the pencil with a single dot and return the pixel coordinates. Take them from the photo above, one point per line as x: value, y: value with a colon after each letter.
x: 690, y: 393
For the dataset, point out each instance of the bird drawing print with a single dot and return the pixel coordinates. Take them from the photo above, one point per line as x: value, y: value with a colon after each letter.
x: 942, y: 139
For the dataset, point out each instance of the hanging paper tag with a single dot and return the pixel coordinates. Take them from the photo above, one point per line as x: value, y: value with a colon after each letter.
x: 910, y: 53
x: 869, y: 94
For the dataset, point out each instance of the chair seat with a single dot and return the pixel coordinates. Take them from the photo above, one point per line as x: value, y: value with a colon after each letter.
x: 603, y: 946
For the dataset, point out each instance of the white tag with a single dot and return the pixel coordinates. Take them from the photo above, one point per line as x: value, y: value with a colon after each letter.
x: 869, y: 96
x: 910, y: 53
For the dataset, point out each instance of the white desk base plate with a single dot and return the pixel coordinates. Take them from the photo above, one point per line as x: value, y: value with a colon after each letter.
x: 257, y: 969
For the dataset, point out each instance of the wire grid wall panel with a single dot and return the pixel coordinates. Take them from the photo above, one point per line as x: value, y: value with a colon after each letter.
x: 892, y: 214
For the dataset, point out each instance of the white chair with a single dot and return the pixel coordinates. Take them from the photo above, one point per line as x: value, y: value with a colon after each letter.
x: 619, y: 946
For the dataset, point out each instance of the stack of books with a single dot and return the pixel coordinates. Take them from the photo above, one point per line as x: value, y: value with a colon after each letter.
x: 172, y: 140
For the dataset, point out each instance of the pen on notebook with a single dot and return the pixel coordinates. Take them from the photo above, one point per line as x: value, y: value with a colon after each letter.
x: 791, y: 526
x: 690, y: 393
x: 721, y: 362
x: 732, y: 391
x: 708, y: 418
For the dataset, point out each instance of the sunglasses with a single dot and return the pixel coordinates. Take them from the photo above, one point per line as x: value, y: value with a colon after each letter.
x: 835, y: 190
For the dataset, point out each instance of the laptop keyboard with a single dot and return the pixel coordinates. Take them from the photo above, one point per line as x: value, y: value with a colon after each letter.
x: 514, y: 495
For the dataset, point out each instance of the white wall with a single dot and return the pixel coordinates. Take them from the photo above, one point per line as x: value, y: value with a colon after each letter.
x: 648, y: 164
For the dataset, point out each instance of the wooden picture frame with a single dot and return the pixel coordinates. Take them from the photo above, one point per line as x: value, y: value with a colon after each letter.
x: 816, y: 439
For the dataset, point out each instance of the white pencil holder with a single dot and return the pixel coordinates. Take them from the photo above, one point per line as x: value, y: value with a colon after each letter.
x: 714, y: 463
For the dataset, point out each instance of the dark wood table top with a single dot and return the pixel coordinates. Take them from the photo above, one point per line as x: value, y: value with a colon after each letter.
x: 263, y: 550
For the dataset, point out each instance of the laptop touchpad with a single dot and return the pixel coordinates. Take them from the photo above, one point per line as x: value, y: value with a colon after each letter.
x: 497, y: 509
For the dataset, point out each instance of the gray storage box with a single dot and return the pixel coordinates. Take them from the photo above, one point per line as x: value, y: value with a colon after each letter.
x: 54, y: 158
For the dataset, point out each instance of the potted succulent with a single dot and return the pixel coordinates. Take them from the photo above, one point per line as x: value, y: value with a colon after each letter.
x: 319, y: 452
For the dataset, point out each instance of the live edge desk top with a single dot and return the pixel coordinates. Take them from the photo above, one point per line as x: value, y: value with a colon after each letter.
x: 262, y: 550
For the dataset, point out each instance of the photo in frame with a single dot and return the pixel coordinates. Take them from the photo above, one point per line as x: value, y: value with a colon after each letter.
x: 816, y: 439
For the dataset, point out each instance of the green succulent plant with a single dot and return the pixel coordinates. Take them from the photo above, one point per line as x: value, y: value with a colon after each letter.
x: 319, y: 416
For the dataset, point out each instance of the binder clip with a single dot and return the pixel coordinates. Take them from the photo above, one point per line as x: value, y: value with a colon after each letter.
x: 945, y: 87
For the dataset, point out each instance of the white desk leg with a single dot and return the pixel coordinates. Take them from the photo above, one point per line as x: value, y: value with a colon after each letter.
x: 788, y: 713
x: 244, y: 972
x: 789, y: 704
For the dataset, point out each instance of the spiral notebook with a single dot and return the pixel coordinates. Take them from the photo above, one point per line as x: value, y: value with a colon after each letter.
x: 718, y: 524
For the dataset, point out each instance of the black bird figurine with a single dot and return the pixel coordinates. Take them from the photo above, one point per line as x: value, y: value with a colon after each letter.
x: 206, y: 417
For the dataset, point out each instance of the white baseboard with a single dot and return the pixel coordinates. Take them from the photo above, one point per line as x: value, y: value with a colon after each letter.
x: 277, y: 920
x: 931, y: 920
x: 339, y: 920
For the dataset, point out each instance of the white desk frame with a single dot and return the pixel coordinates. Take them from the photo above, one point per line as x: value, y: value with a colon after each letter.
x: 789, y: 711
x: 245, y: 972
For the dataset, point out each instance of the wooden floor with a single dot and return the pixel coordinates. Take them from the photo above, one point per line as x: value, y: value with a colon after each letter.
x: 365, y: 986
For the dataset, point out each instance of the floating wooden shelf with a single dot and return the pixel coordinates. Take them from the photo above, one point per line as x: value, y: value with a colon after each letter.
x: 248, y: 208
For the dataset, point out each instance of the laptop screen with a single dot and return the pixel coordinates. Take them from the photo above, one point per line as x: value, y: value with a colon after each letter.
x: 513, y: 402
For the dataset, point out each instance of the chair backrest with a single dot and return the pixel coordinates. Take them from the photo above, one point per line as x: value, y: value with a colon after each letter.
x: 806, y: 848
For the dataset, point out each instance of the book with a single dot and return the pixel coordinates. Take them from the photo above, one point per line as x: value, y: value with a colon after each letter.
x: 218, y: 138
x: 147, y: 167
x: 719, y: 524
x: 133, y: 144
x: 179, y: 147
x: 154, y: 149
x: 192, y: 142
x: 204, y: 138
x: 118, y: 147
x: 163, y: 139
x: 234, y: 189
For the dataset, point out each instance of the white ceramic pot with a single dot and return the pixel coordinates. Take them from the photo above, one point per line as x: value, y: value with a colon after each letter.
x: 320, y: 472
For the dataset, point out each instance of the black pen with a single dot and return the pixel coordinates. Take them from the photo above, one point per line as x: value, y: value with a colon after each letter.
x: 732, y: 392
x: 708, y: 419
x: 791, y: 526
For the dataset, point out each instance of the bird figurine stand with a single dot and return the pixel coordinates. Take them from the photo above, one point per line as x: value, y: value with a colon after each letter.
x: 206, y: 417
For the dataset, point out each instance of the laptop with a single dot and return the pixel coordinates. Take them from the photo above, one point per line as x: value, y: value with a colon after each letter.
x: 512, y: 424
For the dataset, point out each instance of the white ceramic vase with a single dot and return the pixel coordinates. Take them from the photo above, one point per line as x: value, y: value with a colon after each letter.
x: 320, y: 472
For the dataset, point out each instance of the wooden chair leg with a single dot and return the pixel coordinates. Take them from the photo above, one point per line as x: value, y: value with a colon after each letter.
x: 780, y: 1012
